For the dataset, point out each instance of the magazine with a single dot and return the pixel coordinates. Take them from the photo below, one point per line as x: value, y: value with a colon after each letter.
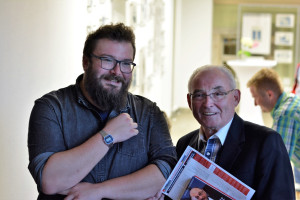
x: 199, y: 189
x: 194, y: 168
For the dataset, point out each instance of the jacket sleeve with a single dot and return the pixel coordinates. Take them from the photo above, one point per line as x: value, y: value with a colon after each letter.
x: 275, y: 177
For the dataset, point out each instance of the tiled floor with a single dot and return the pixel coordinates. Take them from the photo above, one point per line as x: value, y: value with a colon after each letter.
x: 182, y: 122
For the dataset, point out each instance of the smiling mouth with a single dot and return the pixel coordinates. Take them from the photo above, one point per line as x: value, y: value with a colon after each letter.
x: 113, y: 80
x: 209, y: 113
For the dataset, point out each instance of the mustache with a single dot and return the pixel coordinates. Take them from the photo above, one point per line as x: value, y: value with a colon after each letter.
x: 113, y: 77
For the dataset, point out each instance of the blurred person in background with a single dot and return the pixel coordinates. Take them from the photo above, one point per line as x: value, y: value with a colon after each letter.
x: 268, y: 93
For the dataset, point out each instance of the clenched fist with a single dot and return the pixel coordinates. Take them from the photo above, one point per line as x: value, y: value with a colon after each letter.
x: 121, y: 127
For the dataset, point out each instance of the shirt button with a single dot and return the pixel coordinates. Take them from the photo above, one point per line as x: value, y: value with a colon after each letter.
x: 208, y: 153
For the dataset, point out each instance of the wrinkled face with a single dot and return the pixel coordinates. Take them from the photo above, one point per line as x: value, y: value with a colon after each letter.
x: 213, y: 114
x: 108, y: 88
x: 198, y: 194
x: 260, y: 99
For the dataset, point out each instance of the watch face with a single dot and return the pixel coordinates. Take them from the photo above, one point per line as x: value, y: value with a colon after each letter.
x: 108, y: 139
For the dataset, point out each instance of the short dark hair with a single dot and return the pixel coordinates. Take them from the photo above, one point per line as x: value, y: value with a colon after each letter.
x: 117, y: 32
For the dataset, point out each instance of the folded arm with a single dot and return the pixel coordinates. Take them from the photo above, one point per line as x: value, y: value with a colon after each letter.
x: 67, y: 168
x: 56, y: 168
x: 141, y: 184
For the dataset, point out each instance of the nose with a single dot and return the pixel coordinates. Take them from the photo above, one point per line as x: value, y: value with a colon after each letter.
x: 208, y: 100
x: 255, y: 102
x: 117, y: 69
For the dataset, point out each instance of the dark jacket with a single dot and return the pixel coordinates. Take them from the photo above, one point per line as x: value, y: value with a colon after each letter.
x: 254, y: 154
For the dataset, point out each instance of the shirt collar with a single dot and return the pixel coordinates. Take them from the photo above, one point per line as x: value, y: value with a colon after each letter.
x: 221, y: 134
x: 281, y: 98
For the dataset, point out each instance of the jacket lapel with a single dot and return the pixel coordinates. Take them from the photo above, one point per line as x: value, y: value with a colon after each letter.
x: 194, y: 140
x: 233, y: 144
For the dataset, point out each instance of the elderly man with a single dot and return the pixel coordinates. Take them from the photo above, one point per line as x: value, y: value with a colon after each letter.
x: 254, y: 154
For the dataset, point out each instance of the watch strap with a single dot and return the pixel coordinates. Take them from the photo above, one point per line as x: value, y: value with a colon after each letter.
x: 107, y: 138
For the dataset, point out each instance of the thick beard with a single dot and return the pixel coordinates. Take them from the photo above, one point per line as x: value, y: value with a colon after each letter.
x: 106, y: 99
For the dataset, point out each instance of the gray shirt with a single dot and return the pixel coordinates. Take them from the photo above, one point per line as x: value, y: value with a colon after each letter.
x: 64, y: 119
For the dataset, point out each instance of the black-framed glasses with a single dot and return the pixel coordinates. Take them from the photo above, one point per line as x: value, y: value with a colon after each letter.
x: 109, y: 63
x: 215, y: 96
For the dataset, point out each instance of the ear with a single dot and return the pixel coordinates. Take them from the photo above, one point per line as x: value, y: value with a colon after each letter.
x: 237, y: 96
x: 189, y: 100
x: 271, y: 95
x: 85, y: 62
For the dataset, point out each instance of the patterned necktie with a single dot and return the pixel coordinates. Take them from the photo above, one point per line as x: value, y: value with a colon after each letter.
x: 211, y: 148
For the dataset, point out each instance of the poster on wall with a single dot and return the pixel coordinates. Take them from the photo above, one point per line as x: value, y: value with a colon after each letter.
x: 285, y: 20
x: 284, y: 38
x: 283, y: 56
x: 257, y: 27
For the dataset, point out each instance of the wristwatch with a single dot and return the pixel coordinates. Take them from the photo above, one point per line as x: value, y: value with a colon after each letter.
x: 107, y: 138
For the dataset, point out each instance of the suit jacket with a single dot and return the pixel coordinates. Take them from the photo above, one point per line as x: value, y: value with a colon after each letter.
x: 254, y: 154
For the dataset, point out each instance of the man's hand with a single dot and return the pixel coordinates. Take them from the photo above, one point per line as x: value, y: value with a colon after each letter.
x: 121, y: 127
x: 158, y: 196
x: 84, y: 191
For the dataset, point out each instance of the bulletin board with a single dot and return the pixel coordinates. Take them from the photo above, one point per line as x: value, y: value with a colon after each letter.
x: 274, y: 31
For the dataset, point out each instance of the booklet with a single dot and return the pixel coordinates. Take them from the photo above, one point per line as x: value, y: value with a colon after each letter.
x: 199, y: 189
x: 194, y: 174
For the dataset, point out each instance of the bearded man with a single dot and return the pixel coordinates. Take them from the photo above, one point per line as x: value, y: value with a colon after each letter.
x: 94, y: 139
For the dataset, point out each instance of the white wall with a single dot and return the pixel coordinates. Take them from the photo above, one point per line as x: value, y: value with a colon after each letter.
x: 154, y: 51
x: 193, y: 39
x: 40, y: 50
